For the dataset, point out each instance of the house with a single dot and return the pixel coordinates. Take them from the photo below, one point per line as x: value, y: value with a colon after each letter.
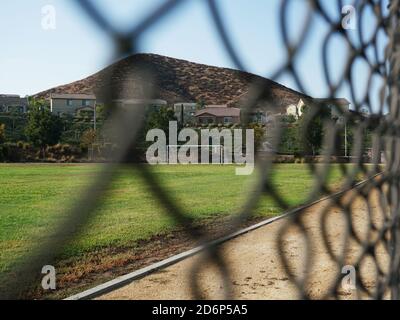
x: 261, y: 116
x: 295, y: 110
x: 71, y: 103
x: 185, y: 112
x: 13, y: 103
x: 151, y: 103
x: 337, y: 106
x: 218, y: 114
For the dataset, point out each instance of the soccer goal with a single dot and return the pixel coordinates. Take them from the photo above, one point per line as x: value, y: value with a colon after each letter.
x: 196, y: 154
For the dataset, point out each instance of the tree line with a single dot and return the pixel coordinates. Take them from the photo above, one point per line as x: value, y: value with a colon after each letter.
x: 298, y: 136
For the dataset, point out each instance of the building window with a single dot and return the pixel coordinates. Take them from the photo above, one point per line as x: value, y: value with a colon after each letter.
x: 227, y: 119
x: 85, y: 102
x: 69, y: 102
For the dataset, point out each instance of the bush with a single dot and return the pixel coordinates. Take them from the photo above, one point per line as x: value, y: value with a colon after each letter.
x: 2, y: 153
x: 2, y: 133
x: 283, y: 158
x: 88, y: 138
x: 24, y: 152
x: 12, y: 153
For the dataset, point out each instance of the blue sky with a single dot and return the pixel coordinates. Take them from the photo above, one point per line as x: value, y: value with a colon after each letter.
x: 33, y: 59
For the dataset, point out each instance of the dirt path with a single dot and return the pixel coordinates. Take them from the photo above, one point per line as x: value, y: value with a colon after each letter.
x: 255, y: 265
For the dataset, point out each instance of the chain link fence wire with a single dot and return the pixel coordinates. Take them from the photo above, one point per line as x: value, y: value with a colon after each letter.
x: 377, y: 194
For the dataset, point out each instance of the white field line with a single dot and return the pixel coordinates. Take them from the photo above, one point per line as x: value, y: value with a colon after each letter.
x: 130, y: 277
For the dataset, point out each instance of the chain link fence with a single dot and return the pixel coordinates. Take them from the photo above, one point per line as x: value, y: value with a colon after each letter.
x: 379, y: 194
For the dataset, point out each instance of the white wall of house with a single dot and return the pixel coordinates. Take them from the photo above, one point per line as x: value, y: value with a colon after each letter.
x: 291, y: 110
x: 295, y: 109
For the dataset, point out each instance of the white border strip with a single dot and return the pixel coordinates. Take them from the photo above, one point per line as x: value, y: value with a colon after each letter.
x: 130, y: 277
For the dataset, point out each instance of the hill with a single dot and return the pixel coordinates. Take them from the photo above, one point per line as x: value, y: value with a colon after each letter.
x: 177, y: 81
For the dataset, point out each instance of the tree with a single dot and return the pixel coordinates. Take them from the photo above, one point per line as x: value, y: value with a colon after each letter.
x: 200, y: 104
x: 2, y: 133
x: 154, y: 119
x: 38, y: 103
x: 159, y: 119
x: 88, y: 138
x: 43, y: 128
x: 102, y: 112
x: 259, y: 135
x: 288, y: 118
x: 289, y: 139
x: 311, y: 128
x: 2, y: 140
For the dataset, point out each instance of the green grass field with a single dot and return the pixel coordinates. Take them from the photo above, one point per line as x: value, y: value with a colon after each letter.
x: 34, y: 197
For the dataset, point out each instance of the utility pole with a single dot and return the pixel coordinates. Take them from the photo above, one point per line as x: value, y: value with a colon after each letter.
x: 182, y: 117
x: 340, y: 120
x: 345, y: 138
x: 94, y: 116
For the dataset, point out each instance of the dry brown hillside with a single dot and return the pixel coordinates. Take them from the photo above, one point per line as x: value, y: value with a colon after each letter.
x: 177, y: 81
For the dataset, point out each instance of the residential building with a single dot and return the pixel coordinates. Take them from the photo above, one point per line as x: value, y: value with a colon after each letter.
x: 13, y: 103
x: 185, y: 112
x: 218, y: 114
x: 71, y: 103
x: 261, y: 116
x: 151, y: 103
x: 295, y: 109
x: 337, y: 106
